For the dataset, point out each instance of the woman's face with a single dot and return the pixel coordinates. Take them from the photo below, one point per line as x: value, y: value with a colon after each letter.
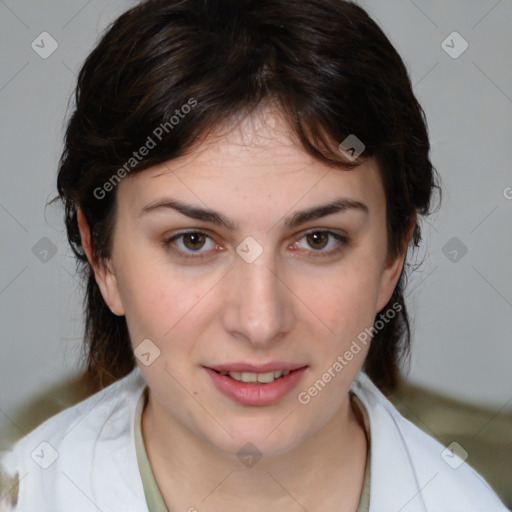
x: 272, y: 286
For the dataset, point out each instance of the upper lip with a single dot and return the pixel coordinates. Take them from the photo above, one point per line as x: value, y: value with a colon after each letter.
x: 254, y: 368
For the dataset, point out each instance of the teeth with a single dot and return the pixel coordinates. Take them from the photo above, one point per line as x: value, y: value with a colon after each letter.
x: 263, y: 378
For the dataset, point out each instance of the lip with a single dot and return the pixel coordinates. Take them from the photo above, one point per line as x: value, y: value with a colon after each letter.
x: 263, y: 368
x: 256, y: 394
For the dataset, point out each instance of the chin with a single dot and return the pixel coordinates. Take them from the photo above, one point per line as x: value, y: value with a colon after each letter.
x: 262, y: 437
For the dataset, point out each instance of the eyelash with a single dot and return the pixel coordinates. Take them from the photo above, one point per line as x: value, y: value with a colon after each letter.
x: 344, y: 242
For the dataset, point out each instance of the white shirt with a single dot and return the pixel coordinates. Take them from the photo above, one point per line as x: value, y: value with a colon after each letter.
x: 84, y: 460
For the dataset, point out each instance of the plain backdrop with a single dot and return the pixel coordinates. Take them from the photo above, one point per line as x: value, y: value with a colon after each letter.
x: 460, y: 298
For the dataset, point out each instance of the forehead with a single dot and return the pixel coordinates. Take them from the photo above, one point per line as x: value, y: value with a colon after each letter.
x: 255, y: 162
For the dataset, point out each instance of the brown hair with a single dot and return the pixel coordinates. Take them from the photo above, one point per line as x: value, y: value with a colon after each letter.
x: 325, y: 63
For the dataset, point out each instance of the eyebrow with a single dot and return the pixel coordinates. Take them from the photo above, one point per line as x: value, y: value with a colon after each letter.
x: 341, y: 204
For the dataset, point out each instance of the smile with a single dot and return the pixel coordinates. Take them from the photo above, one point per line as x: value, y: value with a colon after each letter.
x: 256, y: 388
x: 259, y: 378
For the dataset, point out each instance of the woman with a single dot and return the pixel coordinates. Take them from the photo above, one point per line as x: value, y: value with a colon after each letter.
x: 241, y: 183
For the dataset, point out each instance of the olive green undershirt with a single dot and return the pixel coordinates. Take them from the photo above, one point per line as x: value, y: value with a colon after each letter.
x: 154, y: 498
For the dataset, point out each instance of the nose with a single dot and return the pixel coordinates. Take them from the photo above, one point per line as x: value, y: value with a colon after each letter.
x: 258, y: 306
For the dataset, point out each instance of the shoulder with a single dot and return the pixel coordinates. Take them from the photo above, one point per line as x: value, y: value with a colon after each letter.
x: 64, y: 461
x: 411, y: 470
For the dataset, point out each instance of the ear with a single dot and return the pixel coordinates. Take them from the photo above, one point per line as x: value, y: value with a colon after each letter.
x: 393, y: 269
x: 105, y: 277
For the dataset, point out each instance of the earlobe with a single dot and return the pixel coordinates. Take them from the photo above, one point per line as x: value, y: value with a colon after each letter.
x: 104, y: 275
x: 389, y: 280
x: 85, y: 234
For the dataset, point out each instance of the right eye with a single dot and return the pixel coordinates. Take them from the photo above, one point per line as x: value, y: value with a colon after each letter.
x: 191, y: 241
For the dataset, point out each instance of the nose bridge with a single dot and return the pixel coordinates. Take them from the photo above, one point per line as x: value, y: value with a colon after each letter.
x: 260, y: 306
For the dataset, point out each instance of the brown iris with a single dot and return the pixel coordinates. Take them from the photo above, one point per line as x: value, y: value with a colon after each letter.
x: 317, y: 238
x: 197, y: 240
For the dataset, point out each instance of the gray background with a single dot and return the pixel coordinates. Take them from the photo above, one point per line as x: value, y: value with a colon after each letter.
x: 461, y: 303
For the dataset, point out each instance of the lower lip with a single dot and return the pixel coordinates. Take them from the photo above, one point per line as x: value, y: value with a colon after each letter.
x: 256, y: 394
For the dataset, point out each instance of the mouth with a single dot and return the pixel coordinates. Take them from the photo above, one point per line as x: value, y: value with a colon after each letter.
x: 256, y: 387
x: 255, y: 378
x: 257, y: 374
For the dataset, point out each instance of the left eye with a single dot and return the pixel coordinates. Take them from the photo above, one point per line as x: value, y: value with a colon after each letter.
x: 319, y: 240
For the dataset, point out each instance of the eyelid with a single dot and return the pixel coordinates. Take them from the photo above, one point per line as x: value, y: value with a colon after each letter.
x: 335, y: 232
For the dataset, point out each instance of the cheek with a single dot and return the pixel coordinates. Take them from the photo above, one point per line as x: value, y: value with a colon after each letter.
x: 152, y: 294
x: 347, y: 299
x: 162, y: 301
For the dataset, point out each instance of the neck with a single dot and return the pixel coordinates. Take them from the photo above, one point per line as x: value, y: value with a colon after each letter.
x: 319, y: 472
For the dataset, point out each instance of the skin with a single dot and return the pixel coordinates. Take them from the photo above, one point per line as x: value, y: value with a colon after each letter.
x: 290, y: 304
